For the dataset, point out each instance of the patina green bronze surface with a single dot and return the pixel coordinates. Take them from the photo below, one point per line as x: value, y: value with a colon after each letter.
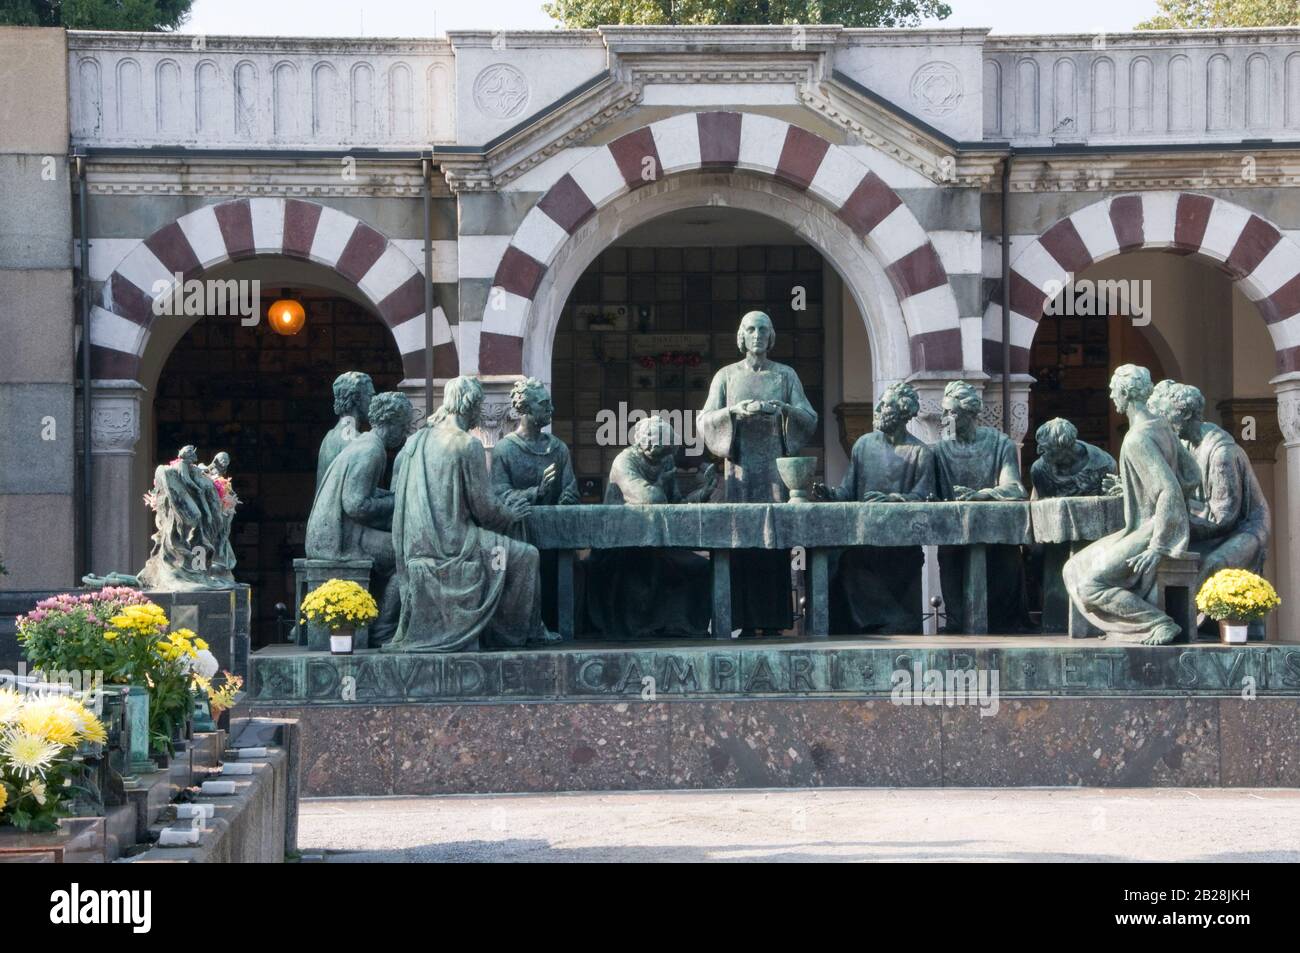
x: 646, y: 593
x: 1228, y: 514
x: 756, y: 411
x: 461, y: 577
x: 353, y: 391
x: 1111, y: 581
x: 528, y: 462
x: 534, y: 466
x: 1066, y: 465
x: 1024, y: 666
x: 777, y: 526
x: 722, y: 527
x: 878, y: 589
x: 978, y: 465
x: 352, y: 515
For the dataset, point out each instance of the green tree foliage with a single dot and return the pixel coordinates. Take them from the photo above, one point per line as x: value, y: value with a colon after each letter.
x: 584, y: 14
x: 1205, y: 14
x: 96, y: 14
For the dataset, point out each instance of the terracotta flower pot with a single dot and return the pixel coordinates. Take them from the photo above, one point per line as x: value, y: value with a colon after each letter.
x: 341, y: 640
x: 1233, y: 631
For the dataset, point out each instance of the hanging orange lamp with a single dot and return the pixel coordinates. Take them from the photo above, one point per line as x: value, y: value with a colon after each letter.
x: 286, y: 316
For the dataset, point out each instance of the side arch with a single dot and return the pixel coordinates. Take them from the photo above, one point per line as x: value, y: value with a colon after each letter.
x: 728, y: 142
x: 1254, y: 253
x: 248, y: 228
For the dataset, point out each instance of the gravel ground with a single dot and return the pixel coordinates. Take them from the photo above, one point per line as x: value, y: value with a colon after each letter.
x: 1089, y: 824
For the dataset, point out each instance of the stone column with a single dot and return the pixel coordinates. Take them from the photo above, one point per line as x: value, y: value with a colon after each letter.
x: 1288, y: 556
x: 114, y: 432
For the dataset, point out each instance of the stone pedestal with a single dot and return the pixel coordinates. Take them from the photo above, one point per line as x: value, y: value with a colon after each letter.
x: 310, y: 573
x: 1175, y: 591
x: 221, y: 617
x: 784, y: 713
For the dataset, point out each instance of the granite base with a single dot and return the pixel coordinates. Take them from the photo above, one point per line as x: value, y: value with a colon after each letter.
x: 375, y: 750
x: 594, y: 718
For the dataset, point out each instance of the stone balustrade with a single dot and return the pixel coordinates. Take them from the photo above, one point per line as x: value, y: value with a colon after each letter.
x: 192, y: 91
x: 158, y: 89
x: 1145, y: 87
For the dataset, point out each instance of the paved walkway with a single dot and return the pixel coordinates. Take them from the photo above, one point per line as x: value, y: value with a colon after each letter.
x: 822, y: 825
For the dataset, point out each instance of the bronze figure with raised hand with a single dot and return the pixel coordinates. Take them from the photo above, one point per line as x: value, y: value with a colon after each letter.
x: 535, y: 466
x: 528, y: 461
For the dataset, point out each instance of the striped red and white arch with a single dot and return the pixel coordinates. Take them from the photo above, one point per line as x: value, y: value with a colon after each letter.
x: 727, y: 141
x: 1263, y: 262
x: 247, y: 228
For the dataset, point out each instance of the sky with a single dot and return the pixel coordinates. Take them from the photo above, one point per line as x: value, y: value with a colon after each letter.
x: 434, y: 17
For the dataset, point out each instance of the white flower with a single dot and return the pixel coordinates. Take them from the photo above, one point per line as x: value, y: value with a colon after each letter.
x: 28, y: 753
x: 204, y: 664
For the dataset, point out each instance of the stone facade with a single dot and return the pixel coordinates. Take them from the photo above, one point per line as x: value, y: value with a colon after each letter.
x: 37, y: 312
x: 881, y: 149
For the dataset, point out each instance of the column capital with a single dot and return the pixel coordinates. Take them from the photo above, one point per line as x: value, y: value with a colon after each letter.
x: 114, y: 417
x: 497, y: 414
x: 927, y: 425
x: 1260, y: 414
x: 1288, y: 407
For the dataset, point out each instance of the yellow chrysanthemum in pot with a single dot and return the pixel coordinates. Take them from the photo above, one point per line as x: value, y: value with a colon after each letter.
x: 1235, y: 598
x: 342, y: 606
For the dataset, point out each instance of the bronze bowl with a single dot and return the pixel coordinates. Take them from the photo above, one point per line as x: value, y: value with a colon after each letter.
x: 797, y: 475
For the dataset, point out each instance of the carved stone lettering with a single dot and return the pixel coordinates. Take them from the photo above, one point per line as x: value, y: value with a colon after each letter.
x: 761, y: 677
x: 801, y: 673
x: 724, y: 673
x: 678, y: 671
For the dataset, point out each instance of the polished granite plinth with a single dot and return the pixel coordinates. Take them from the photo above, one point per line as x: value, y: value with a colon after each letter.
x: 591, y: 717
x: 824, y: 668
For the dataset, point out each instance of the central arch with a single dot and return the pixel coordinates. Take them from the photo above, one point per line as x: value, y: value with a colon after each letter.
x: 867, y: 212
x: 866, y: 279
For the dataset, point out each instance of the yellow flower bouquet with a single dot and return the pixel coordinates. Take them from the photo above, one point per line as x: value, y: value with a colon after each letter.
x: 39, y: 736
x: 342, y: 606
x: 1235, y: 598
x: 1237, y: 595
x: 339, y: 604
